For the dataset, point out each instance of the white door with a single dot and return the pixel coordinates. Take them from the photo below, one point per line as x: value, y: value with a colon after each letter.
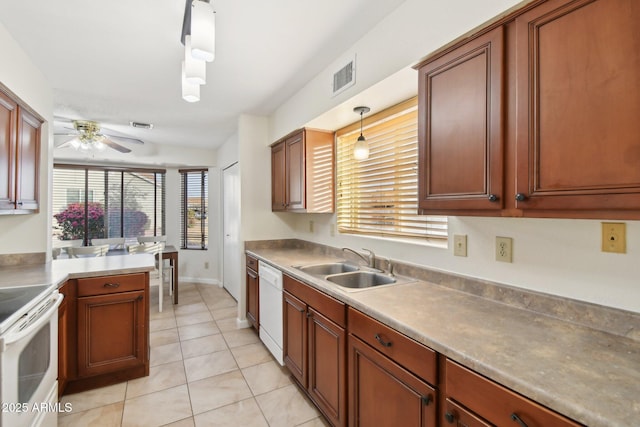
x: 231, y: 251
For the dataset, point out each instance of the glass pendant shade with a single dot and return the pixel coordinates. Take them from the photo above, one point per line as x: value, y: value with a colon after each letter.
x: 203, y: 31
x: 195, y: 70
x: 190, y: 91
x: 361, y: 149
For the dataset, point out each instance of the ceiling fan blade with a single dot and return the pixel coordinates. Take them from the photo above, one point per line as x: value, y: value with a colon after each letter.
x: 66, y: 134
x: 124, y: 138
x: 118, y: 147
x: 68, y: 142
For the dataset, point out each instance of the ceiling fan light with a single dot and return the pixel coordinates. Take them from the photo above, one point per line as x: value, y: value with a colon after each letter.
x: 75, y: 143
x: 203, y: 31
x: 190, y: 92
x: 195, y: 69
x: 99, y: 145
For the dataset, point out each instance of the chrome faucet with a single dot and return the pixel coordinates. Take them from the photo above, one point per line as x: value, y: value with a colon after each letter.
x: 370, y: 259
x: 390, y: 267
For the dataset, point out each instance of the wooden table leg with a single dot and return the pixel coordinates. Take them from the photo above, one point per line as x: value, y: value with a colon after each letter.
x: 174, y: 263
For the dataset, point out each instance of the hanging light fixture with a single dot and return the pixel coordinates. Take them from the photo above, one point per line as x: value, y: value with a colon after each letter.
x: 190, y: 91
x: 203, y: 31
x: 195, y: 70
x: 361, y: 149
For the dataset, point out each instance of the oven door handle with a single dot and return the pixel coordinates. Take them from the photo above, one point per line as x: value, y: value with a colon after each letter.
x: 12, y: 336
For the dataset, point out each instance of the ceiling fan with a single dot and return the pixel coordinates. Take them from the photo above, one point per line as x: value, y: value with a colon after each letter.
x: 88, y: 136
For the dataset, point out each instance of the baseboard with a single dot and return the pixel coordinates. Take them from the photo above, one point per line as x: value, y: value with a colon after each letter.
x: 242, y: 323
x: 199, y: 280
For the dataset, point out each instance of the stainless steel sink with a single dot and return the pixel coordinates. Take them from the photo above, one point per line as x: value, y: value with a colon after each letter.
x: 360, y: 279
x: 328, y: 268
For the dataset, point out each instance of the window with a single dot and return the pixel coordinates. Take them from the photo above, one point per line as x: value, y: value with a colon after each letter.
x: 379, y: 196
x: 194, y: 224
x: 95, y: 202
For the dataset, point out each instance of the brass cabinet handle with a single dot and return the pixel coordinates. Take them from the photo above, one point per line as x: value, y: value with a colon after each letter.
x: 112, y: 285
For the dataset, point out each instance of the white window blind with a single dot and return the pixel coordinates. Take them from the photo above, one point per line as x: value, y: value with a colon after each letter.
x: 194, y: 222
x: 379, y: 196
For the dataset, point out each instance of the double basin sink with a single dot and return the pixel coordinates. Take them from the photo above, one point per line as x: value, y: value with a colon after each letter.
x: 351, y: 277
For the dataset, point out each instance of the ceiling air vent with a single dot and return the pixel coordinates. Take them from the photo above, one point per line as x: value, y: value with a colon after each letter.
x: 345, y: 77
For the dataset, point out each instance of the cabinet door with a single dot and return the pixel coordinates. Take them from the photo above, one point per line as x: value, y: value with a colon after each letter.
x: 253, y: 298
x: 111, y: 332
x: 384, y: 394
x: 295, y: 158
x: 8, y: 121
x: 278, y: 177
x: 28, y: 161
x: 578, y: 105
x: 295, y: 337
x: 327, y: 367
x: 460, y: 131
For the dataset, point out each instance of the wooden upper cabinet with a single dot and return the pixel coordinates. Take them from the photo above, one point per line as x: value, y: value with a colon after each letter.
x: 278, y: 176
x: 19, y: 157
x: 28, y: 161
x: 302, y: 169
x: 460, y: 127
x: 8, y: 122
x: 578, y: 144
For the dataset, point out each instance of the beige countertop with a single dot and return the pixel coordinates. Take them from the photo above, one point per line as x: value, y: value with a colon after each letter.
x: 58, y: 271
x: 588, y: 375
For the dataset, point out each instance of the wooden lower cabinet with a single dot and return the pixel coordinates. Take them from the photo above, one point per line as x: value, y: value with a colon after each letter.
x: 253, y: 293
x: 315, y: 347
x: 487, y: 400
x: 384, y: 394
x: 104, y: 331
x: 110, y: 332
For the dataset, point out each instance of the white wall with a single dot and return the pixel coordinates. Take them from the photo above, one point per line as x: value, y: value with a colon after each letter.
x: 555, y: 256
x: 27, y: 233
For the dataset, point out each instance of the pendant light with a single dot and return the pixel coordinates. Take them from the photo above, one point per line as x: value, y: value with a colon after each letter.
x: 190, y: 91
x: 195, y: 70
x: 203, y: 31
x: 361, y: 149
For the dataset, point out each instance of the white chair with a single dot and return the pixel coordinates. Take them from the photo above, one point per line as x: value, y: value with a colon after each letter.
x: 113, y: 242
x: 55, y: 253
x: 87, y: 251
x: 156, y: 249
x: 64, y: 244
x: 152, y: 239
x: 167, y: 268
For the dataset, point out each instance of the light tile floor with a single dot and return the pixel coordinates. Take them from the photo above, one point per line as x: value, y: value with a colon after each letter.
x: 204, y: 372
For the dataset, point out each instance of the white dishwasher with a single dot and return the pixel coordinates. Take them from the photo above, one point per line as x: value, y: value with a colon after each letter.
x: 270, y: 301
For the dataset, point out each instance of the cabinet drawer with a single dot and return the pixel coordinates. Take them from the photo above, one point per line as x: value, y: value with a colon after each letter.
x: 328, y: 306
x: 110, y: 284
x: 413, y: 356
x: 252, y: 263
x: 495, y: 403
x: 457, y: 415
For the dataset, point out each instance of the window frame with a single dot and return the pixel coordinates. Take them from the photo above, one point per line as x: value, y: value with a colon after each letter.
x: 203, y: 206
x: 88, y: 194
x: 394, y: 214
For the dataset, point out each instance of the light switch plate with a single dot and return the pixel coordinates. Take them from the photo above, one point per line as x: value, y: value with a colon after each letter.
x: 460, y: 244
x: 614, y: 237
x: 504, y: 249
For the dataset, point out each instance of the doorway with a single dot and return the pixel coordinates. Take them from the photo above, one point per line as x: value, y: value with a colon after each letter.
x: 231, y: 251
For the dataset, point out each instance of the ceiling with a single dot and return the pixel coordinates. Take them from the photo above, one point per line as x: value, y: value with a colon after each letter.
x: 118, y: 61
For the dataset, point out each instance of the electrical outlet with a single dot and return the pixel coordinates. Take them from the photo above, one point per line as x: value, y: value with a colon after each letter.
x: 504, y: 248
x: 460, y: 244
x: 614, y: 237
x: 206, y: 265
x: 310, y: 226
